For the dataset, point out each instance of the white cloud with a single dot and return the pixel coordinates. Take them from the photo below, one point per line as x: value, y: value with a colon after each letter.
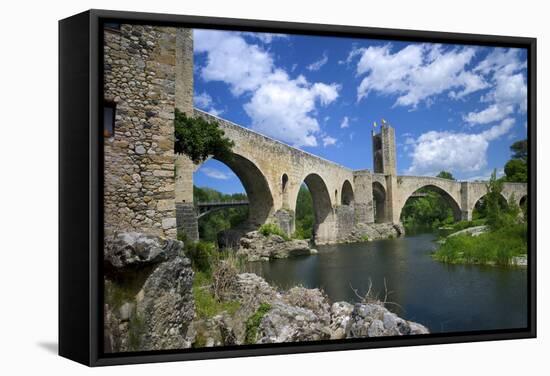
x: 508, y: 93
x: 266, y: 37
x: 327, y: 141
x: 278, y: 105
x: 204, y: 102
x: 216, y: 174
x: 315, y: 66
x: 494, y: 112
x: 416, y: 73
x: 453, y: 151
x: 281, y: 108
x: 345, y: 122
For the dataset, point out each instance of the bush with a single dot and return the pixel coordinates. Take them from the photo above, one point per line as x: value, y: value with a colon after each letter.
x: 272, y: 229
x: 495, y: 247
x: 202, y: 255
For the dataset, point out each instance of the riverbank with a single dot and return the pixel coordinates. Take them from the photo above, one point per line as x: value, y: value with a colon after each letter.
x: 505, y: 246
x: 159, y: 295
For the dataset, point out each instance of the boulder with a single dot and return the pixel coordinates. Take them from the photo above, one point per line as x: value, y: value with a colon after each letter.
x: 256, y: 247
x: 288, y: 323
x: 127, y: 250
x: 148, y: 293
x: 375, y: 320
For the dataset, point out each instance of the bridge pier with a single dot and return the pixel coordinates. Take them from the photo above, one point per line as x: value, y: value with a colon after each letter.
x: 186, y: 219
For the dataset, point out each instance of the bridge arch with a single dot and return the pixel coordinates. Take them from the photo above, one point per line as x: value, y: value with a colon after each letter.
x: 503, y: 201
x: 322, y: 208
x: 447, y: 196
x: 379, y: 202
x: 255, y: 184
x: 347, y: 193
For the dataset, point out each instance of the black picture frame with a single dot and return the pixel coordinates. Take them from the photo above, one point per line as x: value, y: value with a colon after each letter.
x: 80, y: 182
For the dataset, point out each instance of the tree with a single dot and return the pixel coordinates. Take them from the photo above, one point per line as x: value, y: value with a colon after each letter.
x: 304, y: 214
x: 516, y: 168
x: 199, y: 138
x: 445, y: 175
x: 519, y: 149
x: 516, y: 171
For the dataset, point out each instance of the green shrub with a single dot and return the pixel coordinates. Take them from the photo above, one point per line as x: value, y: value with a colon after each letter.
x: 272, y: 229
x: 365, y: 238
x: 494, y: 247
x: 253, y: 323
x: 202, y: 255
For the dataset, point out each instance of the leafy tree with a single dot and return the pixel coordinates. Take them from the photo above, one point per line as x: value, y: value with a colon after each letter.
x: 516, y: 168
x: 304, y: 214
x: 199, y: 138
x: 519, y: 150
x: 516, y: 171
x: 445, y: 175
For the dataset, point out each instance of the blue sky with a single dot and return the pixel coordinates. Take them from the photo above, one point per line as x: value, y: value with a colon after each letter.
x: 455, y: 108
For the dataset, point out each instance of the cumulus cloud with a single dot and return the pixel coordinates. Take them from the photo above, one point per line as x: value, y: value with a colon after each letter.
x: 278, y: 105
x: 454, y: 151
x: 327, y: 141
x: 416, y: 73
x: 216, y: 174
x: 508, y: 92
x: 315, y: 66
x: 345, y: 122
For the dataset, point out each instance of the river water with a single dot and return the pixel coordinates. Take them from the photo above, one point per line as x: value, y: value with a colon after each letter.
x: 445, y: 298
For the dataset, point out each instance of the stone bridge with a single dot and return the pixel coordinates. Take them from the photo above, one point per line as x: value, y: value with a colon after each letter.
x: 272, y: 173
x: 143, y: 88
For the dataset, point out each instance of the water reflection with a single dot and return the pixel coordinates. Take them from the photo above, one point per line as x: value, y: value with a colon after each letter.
x: 441, y: 296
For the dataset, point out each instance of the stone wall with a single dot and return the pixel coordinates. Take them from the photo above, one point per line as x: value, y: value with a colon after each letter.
x: 139, y: 157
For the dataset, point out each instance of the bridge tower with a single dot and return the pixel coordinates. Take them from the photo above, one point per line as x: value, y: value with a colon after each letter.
x: 383, y: 150
x: 186, y: 216
x: 384, y: 162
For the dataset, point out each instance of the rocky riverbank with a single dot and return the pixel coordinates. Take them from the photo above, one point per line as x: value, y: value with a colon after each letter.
x: 254, y: 246
x: 150, y: 304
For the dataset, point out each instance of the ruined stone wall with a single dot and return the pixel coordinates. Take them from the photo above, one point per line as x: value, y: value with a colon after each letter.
x: 139, y: 157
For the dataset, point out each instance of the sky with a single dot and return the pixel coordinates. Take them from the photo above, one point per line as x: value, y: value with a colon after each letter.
x: 454, y: 108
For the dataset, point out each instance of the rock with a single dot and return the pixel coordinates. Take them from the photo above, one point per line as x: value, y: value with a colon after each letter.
x: 155, y: 282
x: 313, y: 251
x: 140, y: 150
x: 126, y: 311
x: 167, y: 306
x: 168, y: 223
x: 340, y: 313
x: 313, y: 299
x: 256, y: 247
x: 520, y: 261
x: 133, y: 249
x: 374, y: 231
x: 287, y: 323
x: 374, y: 320
x: 473, y: 231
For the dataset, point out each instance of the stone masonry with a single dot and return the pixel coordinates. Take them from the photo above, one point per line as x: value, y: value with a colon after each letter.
x: 139, y: 190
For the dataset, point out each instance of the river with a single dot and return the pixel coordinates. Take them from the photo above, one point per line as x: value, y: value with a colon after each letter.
x: 443, y: 297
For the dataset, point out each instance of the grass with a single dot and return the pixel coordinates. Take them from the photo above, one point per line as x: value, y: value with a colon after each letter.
x: 206, y: 305
x: 272, y: 229
x: 365, y: 238
x: 491, y: 248
x: 253, y: 323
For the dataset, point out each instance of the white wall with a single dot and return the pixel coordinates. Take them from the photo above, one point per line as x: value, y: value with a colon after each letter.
x: 28, y: 156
